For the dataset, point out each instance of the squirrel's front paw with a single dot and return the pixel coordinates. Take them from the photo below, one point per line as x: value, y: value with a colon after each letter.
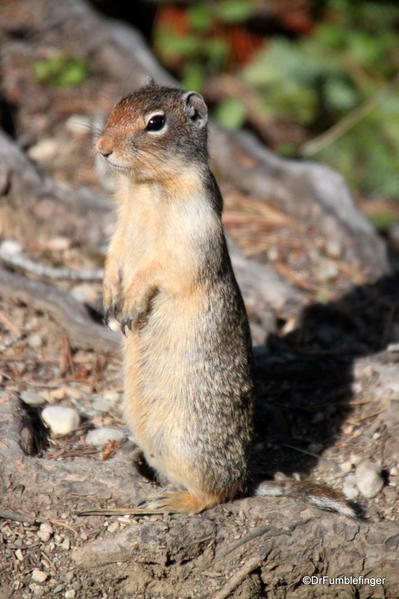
x: 135, y: 307
x: 131, y: 313
x: 111, y: 297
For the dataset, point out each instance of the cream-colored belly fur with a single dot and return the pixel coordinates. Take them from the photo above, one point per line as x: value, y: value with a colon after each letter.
x: 162, y: 364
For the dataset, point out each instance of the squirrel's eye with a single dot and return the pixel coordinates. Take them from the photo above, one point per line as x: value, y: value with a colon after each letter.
x: 156, y: 122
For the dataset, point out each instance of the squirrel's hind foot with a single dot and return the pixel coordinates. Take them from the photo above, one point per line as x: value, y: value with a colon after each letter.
x: 169, y: 502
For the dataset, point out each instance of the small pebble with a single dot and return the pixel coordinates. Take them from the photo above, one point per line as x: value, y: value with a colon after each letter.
x: 85, y: 293
x: 349, y: 488
x: 346, y: 466
x: 45, y: 532
x: 35, y: 341
x: 58, y: 588
x: 100, y: 436
x: 70, y: 594
x: 32, y: 399
x: 45, y: 149
x: 333, y: 248
x: 39, y: 575
x: 19, y: 555
x: 61, y: 420
x: 65, y: 544
x: 394, y: 471
x: 102, y: 404
x: 59, y: 243
x: 35, y: 588
x: 113, y: 527
x: 11, y: 247
x: 348, y: 429
x: 368, y: 478
x: 355, y: 459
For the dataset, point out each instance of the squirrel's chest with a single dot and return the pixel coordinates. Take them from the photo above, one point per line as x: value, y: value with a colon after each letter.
x: 171, y: 234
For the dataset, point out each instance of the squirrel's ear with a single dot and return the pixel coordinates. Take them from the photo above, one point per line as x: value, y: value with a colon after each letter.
x: 196, y: 108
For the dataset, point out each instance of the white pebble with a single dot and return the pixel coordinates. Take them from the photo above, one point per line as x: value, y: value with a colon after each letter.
x: 39, y: 575
x: 355, y: 459
x: 44, y: 150
x: 113, y: 527
x: 85, y: 293
x: 35, y: 341
x: 349, y: 488
x: 45, y: 532
x: 65, y: 543
x: 100, y: 436
x: 368, y: 478
x: 36, y: 589
x: 102, y: 404
x: 11, y: 247
x: 346, y: 466
x: 59, y: 243
x: 70, y: 594
x: 32, y: 399
x: 61, y: 420
x: 19, y: 555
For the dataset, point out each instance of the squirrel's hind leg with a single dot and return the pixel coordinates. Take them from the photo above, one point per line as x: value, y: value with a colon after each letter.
x: 180, y: 501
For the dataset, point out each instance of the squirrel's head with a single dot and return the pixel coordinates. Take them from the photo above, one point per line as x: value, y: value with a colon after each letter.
x: 154, y: 132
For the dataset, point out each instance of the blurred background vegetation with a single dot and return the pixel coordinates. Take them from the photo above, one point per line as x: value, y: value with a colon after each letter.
x: 315, y: 79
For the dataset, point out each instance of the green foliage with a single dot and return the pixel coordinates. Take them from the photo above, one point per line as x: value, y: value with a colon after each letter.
x: 325, y: 79
x: 60, y: 71
x: 233, y: 11
x: 383, y: 220
x: 201, y: 51
x: 230, y: 113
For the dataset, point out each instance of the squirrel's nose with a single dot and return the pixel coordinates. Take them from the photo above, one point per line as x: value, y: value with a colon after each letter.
x: 105, y: 146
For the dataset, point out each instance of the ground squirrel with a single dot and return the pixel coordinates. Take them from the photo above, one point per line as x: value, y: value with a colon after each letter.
x: 188, y: 364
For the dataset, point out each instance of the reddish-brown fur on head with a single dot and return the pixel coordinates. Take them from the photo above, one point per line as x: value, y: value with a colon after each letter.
x: 130, y: 145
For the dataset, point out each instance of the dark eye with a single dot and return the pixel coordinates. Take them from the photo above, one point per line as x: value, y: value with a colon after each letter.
x: 156, y: 122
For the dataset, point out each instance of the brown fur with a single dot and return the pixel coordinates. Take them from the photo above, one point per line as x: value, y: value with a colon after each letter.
x: 169, y: 281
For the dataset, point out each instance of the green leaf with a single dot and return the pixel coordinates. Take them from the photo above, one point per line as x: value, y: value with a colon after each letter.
x: 230, y: 113
x: 233, y: 11
x: 60, y: 71
x: 216, y: 51
x: 383, y: 220
x: 173, y: 46
x: 193, y: 76
x: 199, y: 17
x: 340, y: 94
x: 286, y: 149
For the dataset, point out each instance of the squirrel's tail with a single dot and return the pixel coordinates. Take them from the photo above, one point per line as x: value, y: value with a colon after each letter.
x: 322, y: 496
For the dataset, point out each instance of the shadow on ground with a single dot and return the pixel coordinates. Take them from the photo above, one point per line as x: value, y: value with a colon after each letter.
x: 305, y: 378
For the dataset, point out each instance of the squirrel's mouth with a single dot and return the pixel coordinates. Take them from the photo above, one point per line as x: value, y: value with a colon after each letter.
x: 115, y: 165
